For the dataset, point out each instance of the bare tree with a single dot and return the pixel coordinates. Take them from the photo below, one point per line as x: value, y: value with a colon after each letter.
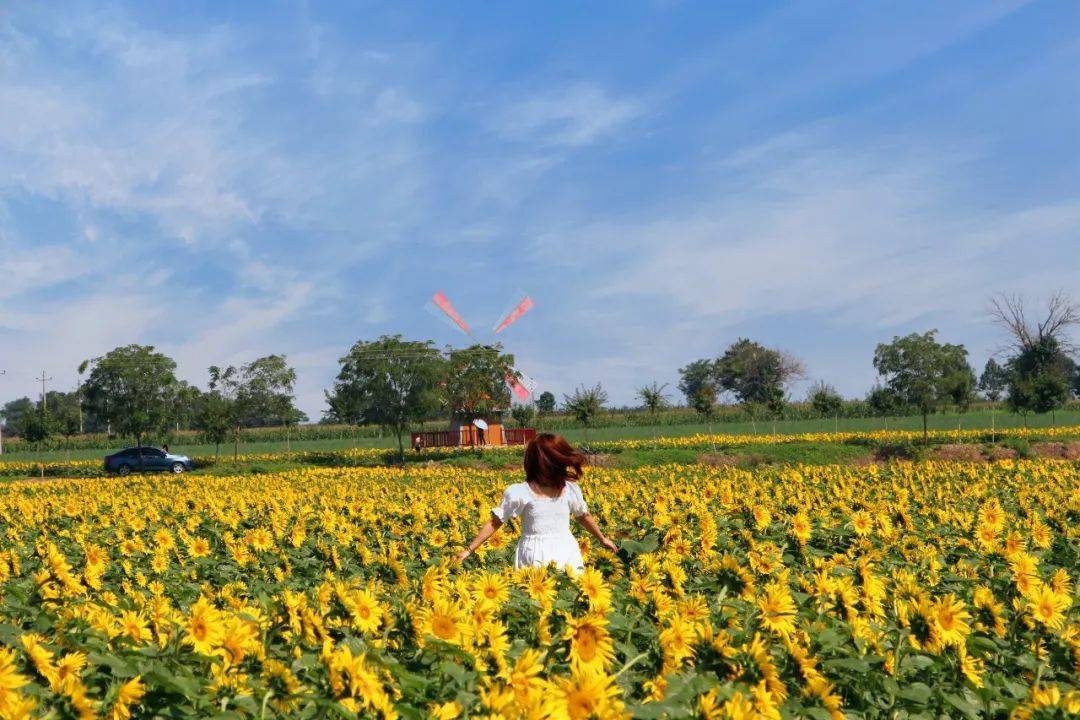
x: 1008, y: 311
x: 792, y: 369
x: 1041, y: 370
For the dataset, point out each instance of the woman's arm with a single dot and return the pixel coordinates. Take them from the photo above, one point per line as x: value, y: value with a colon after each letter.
x: 487, y: 531
x: 589, y: 523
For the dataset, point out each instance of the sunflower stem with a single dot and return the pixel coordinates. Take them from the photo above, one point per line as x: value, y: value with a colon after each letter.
x: 631, y: 663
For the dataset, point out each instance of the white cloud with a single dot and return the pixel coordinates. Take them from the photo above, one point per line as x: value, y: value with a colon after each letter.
x: 56, y: 336
x: 27, y: 269
x: 869, y: 240
x: 293, y: 175
x: 573, y: 115
x: 803, y: 51
x: 241, y: 327
x: 156, y: 138
x: 153, y: 136
x: 880, y: 236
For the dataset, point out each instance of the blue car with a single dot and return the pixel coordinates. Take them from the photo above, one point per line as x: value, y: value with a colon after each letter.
x: 149, y: 459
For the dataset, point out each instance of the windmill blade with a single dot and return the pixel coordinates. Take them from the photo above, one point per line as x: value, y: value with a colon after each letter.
x: 524, y: 305
x: 440, y: 301
x: 523, y: 388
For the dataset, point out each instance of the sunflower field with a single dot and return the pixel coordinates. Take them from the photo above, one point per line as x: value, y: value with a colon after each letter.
x: 923, y: 590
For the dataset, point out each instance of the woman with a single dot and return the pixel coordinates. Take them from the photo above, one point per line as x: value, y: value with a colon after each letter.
x: 545, y: 502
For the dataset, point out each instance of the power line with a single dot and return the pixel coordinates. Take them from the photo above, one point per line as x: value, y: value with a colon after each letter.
x: 478, y: 349
x: 467, y: 351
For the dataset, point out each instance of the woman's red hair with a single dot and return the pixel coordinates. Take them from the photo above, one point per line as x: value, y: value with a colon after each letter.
x: 551, y: 461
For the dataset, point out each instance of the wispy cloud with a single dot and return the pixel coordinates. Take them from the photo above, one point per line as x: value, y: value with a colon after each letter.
x: 293, y: 178
x: 144, y: 126
x: 878, y: 234
x: 877, y: 240
x: 573, y: 115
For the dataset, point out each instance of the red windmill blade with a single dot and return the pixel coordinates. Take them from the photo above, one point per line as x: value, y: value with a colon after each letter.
x: 443, y: 303
x: 519, y: 389
x: 522, y: 387
x: 524, y: 306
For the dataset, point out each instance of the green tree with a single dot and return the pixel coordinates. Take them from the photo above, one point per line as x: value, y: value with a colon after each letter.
x: 214, y: 418
x: 653, y: 398
x: 755, y: 374
x: 704, y: 403
x: 584, y: 404
x: 883, y: 401
x: 38, y: 425
x: 227, y: 384
x: 14, y: 412
x: 1040, y: 378
x: 132, y: 389
x: 256, y: 394
x: 266, y: 393
x: 390, y: 382
x: 825, y: 400
x: 698, y: 383
x: 921, y: 372
x: 64, y: 410
x: 961, y: 386
x: 523, y: 414
x: 545, y: 403
x: 475, y: 381
x: 696, y: 376
x: 1041, y: 368
x: 994, y: 380
x: 187, y: 405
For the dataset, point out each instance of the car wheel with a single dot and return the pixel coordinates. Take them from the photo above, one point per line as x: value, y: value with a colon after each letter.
x: 178, y: 468
x: 123, y: 470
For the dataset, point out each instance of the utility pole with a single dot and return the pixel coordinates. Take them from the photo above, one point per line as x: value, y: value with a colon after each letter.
x: 43, y: 380
x: 44, y: 409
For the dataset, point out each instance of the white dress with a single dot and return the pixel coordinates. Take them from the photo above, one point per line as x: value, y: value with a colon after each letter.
x: 545, y: 525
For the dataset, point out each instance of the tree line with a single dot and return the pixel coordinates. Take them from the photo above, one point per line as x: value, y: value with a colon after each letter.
x: 133, y: 392
x: 918, y: 373
x: 395, y: 383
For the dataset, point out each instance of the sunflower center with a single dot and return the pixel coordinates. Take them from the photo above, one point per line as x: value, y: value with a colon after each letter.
x: 442, y: 626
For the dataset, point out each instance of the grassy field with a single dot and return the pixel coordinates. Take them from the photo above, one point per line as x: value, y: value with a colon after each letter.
x: 945, y: 421
x: 201, y: 450
x: 968, y: 421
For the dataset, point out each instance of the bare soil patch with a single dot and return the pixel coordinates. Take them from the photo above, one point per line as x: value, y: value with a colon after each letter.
x: 865, y: 460
x: 959, y: 453
x: 997, y: 452
x: 474, y: 464
x: 1057, y: 450
x: 718, y: 459
x: 600, y: 459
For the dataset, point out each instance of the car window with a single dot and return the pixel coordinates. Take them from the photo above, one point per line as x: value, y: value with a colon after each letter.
x: 130, y: 452
x: 152, y: 452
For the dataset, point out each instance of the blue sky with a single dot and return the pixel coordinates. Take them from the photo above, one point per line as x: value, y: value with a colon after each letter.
x: 225, y: 180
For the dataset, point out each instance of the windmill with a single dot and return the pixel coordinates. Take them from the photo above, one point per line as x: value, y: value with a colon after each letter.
x: 441, y: 306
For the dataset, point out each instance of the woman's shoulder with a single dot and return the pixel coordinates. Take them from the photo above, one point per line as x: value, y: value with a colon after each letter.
x: 520, y: 489
x: 573, y: 487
